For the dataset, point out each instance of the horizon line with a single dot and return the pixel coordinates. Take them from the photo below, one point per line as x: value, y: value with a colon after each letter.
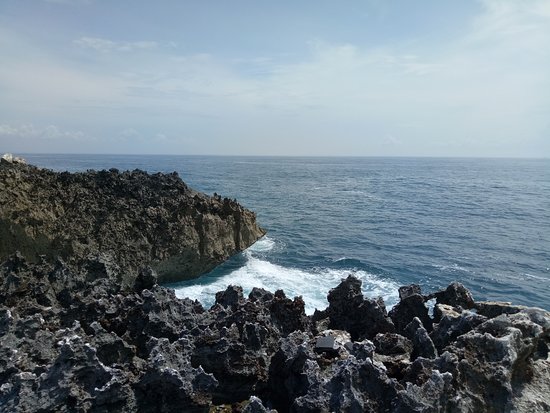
x: 279, y: 156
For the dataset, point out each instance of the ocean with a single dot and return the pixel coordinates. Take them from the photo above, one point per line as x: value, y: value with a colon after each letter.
x: 389, y: 221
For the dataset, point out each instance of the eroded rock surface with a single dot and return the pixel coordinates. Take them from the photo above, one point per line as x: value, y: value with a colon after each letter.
x: 80, y: 341
x: 125, y: 220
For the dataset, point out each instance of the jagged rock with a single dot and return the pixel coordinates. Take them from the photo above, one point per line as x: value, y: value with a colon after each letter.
x: 394, y: 352
x: 168, y: 390
x: 146, y: 279
x: 231, y: 297
x: 452, y: 323
x: 361, y: 350
x: 445, y: 311
x: 360, y: 386
x: 494, y: 308
x: 423, y: 345
x: 259, y: 294
x: 301, y: 382
x: 411, y: 305
x: 128, y: 219
x: 408, y: 290
x: 431, y: 396
x: 455, y: 295
x: 392, y: 344
x: 255, y: 405
x: 349, y: 310
x: 288, y: 315
x: 76, y: 341
x: 9, y: 158
x: 240, y: 369
x: 287, y: 380
x: 110, y: 348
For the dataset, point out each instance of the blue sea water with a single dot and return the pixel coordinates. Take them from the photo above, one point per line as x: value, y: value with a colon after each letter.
x: 390, y: 221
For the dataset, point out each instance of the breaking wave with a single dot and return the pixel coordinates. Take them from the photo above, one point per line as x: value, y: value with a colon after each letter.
x: 312, y: 284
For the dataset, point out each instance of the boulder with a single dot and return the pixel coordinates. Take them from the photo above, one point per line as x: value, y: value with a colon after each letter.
x: 349, y: 310
x: 455, y: 295
x: 411, y: 305
x: 452, y: 323
x: 231, y: 297
x: 423, y: 345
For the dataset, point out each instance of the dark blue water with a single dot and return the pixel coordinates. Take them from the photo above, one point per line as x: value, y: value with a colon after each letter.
x: 392, y: 221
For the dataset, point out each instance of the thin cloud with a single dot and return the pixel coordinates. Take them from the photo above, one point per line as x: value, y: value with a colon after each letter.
x: 49, y: 132
x: 106, y: 46
x: 488, y: 83
x: 513, y: 24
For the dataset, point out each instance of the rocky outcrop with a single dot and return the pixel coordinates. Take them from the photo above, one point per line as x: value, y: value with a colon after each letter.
x: 81, y: 341
x: 119, y: 221
x: 8, y: 157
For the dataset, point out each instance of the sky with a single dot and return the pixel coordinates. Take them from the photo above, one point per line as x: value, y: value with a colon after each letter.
x: 261, y: 77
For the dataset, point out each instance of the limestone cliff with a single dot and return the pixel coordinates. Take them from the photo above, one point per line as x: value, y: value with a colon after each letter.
x: 125, y: 220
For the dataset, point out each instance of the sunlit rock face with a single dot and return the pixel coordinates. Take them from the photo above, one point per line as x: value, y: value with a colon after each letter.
x: 126, y: 220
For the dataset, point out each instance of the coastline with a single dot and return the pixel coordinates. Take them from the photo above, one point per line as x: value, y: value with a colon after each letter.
x: 94, y: 334
x: 71, y: 344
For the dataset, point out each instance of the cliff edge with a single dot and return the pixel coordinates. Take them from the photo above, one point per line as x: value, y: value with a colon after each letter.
x: 122, y: 221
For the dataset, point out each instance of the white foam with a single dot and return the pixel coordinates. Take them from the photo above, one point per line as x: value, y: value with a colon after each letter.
x: 262, y: 245
x: 452, y: 267
x: 313, y: 285
x: 535, y: 277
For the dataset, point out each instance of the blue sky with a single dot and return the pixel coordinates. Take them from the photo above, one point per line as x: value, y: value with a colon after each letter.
x: 324, y: 77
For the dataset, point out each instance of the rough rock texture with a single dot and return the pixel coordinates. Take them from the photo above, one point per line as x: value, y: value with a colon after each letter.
x: 82, y: 342
x: 127, y: 220
x: 411, y: 305
x: 349, y: 310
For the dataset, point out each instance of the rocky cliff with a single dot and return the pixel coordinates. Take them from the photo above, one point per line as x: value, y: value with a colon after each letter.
x: 85, y: 327
x: 126, y: 220
x: 71, y: 342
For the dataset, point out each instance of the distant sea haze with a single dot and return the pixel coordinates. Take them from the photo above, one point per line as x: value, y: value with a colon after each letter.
x: 390, y: 221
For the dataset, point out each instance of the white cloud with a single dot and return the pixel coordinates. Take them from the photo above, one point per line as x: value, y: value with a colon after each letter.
x: 106, y: 45
x: 49, y: 132
x: 37, y: 82
x: 484, y: 88
x: 129, y: 133
x: 520, y: 25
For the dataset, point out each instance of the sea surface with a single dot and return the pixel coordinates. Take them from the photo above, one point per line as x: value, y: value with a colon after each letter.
x: 389, y: 221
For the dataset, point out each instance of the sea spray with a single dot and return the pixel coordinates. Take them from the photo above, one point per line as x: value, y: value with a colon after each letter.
x: 257, y: 271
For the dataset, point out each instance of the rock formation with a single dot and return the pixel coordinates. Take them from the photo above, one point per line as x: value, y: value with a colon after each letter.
x: 85, y: 327
x: 80, y: 341
x: 123, y: 220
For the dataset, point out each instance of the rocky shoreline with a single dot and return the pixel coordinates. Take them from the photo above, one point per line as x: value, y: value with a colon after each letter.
x: 85, y: 327
x: 81, y: 342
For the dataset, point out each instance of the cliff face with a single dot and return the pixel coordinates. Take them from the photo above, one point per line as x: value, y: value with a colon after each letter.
x: 125, y: 220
